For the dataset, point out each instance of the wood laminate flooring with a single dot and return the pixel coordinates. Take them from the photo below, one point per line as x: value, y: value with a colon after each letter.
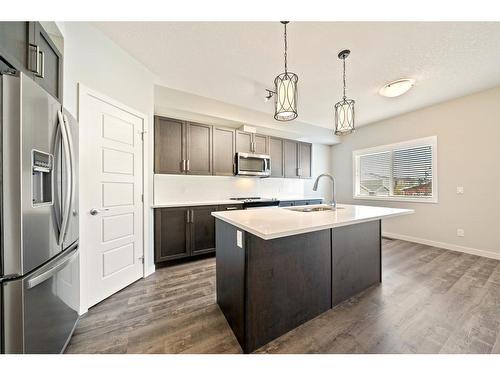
x: 430, y: 301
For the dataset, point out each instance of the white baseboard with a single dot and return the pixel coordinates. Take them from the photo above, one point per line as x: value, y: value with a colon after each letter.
x: 149, y: 270
x: 443, y: 245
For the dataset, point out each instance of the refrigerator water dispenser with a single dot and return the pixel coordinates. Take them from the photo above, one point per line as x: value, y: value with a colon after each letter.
x: 42, y: 180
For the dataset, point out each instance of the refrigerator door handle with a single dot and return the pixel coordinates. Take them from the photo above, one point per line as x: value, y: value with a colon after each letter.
x: 42, y: 275
x: 67, y: 198
x: 72, y: 175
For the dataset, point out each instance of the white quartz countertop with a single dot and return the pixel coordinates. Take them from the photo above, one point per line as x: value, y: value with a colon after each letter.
x: 273, y: 223
x: 223, y: 201
x: 196, y: 203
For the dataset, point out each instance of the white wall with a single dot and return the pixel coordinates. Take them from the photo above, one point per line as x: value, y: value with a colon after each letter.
x: 171, y: 188
x: 92, y: 59
x: 468, y: 131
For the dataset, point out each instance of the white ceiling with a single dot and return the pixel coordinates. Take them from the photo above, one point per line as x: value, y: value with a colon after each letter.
x: 234, y: 62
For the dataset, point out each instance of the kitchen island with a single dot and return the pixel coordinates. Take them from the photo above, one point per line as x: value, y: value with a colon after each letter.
x: 277, y: 268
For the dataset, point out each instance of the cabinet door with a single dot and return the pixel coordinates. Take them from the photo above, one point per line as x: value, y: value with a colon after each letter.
x: 223, y: 152
x: 172, y: 233
x: 51, y: 63
x: 169, y: 145
x: 276, y: 153
x: 14, y: 42
x: 203, y: 229
x: 291, y: 159
x: 198, y: 149
x: 261, y: 144
x: 244, y: 141
x: 305, y: 150
x: 356, y: 259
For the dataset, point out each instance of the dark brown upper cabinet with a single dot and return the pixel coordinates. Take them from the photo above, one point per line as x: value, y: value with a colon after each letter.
x: 223, y: 152
x: 291, y: 151
x: 276, y: 153
x: 182, y: 147
x: 14, y: 41
x: 305, y: 162
x: 244, y: 141
x: 169, y: 146
x: 27, y: 47
x: 252, y: 143
x: 298, y: 159
x: 261, y: 144
x: 46, y: 61
x: 198, y: 149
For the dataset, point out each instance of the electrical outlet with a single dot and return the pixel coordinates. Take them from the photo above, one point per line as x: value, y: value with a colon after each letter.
x: 460, y: 189
x: 239, y: 239
x: 460, y: 232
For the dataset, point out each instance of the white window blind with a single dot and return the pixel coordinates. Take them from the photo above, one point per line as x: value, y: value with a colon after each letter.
x: 402, y: 171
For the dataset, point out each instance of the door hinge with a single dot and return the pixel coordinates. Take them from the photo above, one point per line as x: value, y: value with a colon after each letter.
x: 142, y: 134
x: 141, y: 259
x: 142, y: 198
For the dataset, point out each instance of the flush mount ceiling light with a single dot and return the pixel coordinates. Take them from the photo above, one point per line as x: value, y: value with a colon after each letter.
x: 285, y: 91
x: 397, y: 88
x: 344, y: 110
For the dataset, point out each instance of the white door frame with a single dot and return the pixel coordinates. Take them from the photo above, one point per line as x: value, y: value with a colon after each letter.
x: 148, y: 267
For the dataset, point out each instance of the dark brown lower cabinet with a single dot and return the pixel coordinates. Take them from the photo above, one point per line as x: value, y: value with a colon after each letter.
x: 202, y: 229
x: 172, y: 233
x: 183, y: 232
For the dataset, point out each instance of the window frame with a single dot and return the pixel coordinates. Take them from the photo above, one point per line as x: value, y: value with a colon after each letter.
x: 427, y: 141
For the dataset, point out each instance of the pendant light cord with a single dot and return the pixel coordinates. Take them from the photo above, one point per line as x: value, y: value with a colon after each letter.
x: 286, y: 71
x: 343, y: 59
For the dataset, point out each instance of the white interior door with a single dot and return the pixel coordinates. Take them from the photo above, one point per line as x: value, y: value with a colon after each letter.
x: 112, y: 193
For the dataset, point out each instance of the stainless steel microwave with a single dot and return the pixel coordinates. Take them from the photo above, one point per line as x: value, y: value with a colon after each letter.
x: 253, y: 164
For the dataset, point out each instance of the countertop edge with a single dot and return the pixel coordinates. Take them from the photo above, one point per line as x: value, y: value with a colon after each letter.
x: 222, y: 202
x: 201, y: 203
x: 310, y: 229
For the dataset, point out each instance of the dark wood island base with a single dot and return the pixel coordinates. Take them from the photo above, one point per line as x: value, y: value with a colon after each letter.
x: 266, y: 288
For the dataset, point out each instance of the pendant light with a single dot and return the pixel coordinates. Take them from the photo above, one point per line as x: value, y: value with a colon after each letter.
x: 285, y: 91
x: 344, y: 110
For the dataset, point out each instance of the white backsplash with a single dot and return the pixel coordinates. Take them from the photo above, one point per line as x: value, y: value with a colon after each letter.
x: 172, y: 188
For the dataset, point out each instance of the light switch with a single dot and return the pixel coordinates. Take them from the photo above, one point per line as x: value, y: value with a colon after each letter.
x: 460, y: 189
x: 239, y: 239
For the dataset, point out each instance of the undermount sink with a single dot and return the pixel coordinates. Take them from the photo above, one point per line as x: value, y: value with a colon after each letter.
x: 313, y: 208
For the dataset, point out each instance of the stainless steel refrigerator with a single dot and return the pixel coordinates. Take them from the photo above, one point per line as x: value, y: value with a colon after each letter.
x: 39, y: 219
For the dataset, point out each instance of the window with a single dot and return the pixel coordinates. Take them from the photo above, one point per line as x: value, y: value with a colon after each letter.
x: 403, y: 171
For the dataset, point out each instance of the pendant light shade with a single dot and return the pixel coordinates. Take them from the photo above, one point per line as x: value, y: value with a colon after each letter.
x: 285, y: 90
x: 285, y: 99
x: 344, y: 110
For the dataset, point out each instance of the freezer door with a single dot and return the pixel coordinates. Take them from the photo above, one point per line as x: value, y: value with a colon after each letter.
x: 39, y: 165
x: 40, y: 310
x: 71, y: 188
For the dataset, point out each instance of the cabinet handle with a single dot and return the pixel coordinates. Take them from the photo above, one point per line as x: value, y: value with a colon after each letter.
x: 183, y: 165
x: 192, y: 216
x: 187, y: 216
x: 187, y: 165
x: 37, y: 61
x: 42, y: 65
x: 299, y: 172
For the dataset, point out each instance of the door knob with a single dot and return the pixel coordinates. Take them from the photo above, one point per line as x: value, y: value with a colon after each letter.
x: 95, y: 211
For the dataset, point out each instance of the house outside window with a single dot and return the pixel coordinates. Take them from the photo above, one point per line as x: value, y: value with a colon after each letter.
x: 404, y: 171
